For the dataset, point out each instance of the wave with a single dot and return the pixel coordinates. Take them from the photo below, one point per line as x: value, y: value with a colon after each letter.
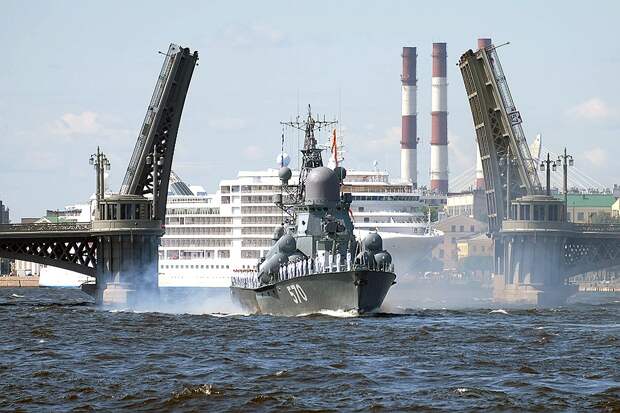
x: 333, y: 313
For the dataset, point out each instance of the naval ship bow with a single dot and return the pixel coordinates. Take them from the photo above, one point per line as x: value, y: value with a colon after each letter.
x: 316, y: 263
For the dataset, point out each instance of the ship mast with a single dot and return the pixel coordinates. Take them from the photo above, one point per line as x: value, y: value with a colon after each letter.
x: 311, y: 154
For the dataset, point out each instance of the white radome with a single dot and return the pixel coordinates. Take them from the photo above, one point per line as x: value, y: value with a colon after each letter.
x: 283, y: 159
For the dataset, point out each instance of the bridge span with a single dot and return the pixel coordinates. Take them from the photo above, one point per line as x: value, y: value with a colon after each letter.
x: 536, y: 250
x: 120, y: 246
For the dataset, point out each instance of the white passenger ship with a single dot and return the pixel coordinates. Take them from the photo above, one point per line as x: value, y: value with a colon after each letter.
x: 210, y: 238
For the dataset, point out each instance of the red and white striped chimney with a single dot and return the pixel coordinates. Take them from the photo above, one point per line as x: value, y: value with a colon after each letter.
x: 409, y: 136
x: 439, y: 114
x: 479, y: 183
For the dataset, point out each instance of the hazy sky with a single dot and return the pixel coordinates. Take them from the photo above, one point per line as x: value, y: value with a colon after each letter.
x: 80, y: 74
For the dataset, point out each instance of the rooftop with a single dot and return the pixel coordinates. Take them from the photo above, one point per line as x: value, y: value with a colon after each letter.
x: 590, y: 200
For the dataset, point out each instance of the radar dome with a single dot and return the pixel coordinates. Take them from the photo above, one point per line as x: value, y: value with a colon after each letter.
x: 383, y: 258
x: 287, y: 244
x: 285, y: 174
x: 322, y: 186
x: 373, y: 242
x: 283, y: 159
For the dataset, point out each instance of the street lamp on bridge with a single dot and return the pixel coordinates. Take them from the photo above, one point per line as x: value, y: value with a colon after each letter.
x: 565, y: 160
x: 548, y: 165
x: 101, y: 164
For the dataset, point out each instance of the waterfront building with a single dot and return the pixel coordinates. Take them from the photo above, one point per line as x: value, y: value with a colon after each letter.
x: 468, y: 203
x: 590, y: 208
x: 455, y: 228
x: 475, y: 256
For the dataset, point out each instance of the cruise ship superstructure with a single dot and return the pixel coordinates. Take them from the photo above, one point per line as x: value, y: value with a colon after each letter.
x: 209, y: 238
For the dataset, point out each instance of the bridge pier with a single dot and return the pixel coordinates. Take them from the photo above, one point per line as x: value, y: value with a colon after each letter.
x: 530, y: 254
x: 128, y: 268
x: 127, y: 252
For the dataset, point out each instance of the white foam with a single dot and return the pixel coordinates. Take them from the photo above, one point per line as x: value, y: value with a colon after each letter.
x: 334, y: 313
x: 500, y: 311
x: 221, y: 315
x: 17, y: 296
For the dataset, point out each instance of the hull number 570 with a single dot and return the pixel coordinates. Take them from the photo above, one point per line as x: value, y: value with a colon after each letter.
x: 297, y: 293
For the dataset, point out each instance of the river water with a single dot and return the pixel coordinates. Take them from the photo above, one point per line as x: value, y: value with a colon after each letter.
x: 59, y: 352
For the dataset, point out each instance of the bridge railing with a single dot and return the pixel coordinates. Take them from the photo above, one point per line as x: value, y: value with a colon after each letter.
x: 597, y: 227
x: 47, y: 227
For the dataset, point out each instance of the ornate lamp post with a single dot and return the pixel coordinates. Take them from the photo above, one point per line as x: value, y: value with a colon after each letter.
x: 565, y: 160
x: 101, y: 164
x: 548, y: 165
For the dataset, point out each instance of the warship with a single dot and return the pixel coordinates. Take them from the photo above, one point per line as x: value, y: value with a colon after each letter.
x: 316, y: 264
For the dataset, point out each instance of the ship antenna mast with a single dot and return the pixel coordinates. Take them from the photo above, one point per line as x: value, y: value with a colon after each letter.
x: 311, y: 155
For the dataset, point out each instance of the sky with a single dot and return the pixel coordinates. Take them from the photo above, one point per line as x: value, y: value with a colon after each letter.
x: 79, y: 74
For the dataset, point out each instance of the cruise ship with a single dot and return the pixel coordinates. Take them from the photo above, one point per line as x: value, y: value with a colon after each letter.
x: 210, y: 238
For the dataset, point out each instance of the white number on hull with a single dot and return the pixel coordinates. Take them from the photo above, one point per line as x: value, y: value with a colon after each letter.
x: 297, y: 293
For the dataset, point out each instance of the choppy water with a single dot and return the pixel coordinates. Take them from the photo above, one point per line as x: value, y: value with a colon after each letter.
x: 58, y: 353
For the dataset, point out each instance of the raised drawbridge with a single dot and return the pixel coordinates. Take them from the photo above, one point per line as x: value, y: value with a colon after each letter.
x: 536, y: 250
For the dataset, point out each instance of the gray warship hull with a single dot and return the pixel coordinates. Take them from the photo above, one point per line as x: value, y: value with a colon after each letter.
x: 361, y: 291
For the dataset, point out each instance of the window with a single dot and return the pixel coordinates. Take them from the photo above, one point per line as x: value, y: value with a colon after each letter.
x: 366, y: 219
x: 462, y: 228
x: 580, y: 216
x: 472, y: 229
x: 453, y: 228
x: 360, y: 209
x: 440, y: 253
x: 553, y: 213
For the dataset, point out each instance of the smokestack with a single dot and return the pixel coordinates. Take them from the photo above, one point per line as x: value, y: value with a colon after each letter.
x: 479, y: 183
x: 439, y: 132
x: 409, y: 137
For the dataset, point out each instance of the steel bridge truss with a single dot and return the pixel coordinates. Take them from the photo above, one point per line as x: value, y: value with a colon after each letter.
x: 501, y: 141
x: 75, y: 251
x: 584, y: 254
x: 151, y: 162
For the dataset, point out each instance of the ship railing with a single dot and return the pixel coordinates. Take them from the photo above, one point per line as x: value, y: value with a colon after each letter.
x: 327, y: 263
x: 245, y: 281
